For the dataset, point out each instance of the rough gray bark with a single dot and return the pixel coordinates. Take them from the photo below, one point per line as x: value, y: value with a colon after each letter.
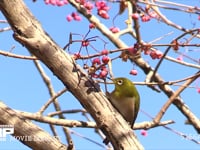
x: 29, y: 33
x: 30, y: 134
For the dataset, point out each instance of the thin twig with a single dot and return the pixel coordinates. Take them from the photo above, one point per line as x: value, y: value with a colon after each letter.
x: 167, y: 50
x: 3, y: 21
x: 47, y: 81
x: 67, y: 112
x: 55, y: 121
x: 171, y: 99
x: 182, y: 62
x: 86, y: 138
x: 172, y: 130
x: 45, y: 106
x: 5, y: 29
x: 8, y: 54
x: 178, y: 7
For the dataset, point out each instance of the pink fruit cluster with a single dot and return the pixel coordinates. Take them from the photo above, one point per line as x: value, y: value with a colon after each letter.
x: 73, y: 16
x: 145, y: 17
x: 86, y: 4
x: 155, y: 54
x: 103, y: 73
x: 102, y: 9
x: 100, y: 63
x: 98, y: 67
x: 96, y: 61
x: 56, y: 2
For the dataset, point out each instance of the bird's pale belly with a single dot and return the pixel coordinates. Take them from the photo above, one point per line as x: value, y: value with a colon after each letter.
x: 125, y: 107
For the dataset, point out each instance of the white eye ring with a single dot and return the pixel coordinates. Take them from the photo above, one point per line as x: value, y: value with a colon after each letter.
x: 120, y: 82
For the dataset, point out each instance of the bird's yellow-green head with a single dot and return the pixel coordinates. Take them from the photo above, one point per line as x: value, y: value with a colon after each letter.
x: 125, y: 98
x: 124, y: 88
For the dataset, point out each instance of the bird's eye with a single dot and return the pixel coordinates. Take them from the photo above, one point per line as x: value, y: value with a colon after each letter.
x: 120, y: 82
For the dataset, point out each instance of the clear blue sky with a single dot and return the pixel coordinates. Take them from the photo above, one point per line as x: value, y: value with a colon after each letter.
x: 23, y: 89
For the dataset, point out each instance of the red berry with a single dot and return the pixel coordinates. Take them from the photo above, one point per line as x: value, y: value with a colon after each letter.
x: 135, y: 16
x: 114, y: 29
x: 180, y: 58
x: 80, y: 1
x: 159, y: 54
x: 105, y: 59
x: 88, y: 5
x: 133, y: 72
x: 47, y: 2
x: 60, y: 3
x: 104, y: 52
x: 132, y: 50
x: 101, y: 4
x: 153, y: 55
x: 74, y: 14
x: 77, y: 56
x: 65, y: 1
x: 144, y: 132
x: 145, y: 18
x: 69, y: 18
x: 153, y: 14
x: 53, y: 2
x: 92, y: 26
x: 106, y: 8
x: 103, y: 14
x: 147, y: 51
x: 103, y: 74
x: 77, y: 18
x: 198, y: 17
x: 198, y: 90
x: 85, y: 43
x: 96, y: 61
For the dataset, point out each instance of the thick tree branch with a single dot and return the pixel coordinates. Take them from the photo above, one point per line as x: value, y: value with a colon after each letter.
x: 24, y: 128
x: 28, y: 32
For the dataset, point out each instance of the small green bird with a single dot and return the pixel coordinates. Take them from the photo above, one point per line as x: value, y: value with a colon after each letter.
x: 126, y: 99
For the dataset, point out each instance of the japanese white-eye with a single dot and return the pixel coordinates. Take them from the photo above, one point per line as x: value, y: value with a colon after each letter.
x: 125, y: 98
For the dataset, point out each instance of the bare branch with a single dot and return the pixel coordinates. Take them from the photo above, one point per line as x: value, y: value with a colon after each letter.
x: 173, y: 97
x: 29, y: 129
x: 44, y: 107
x: 54, y: 96
x: 60, y: 122
x: 8, y: 54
